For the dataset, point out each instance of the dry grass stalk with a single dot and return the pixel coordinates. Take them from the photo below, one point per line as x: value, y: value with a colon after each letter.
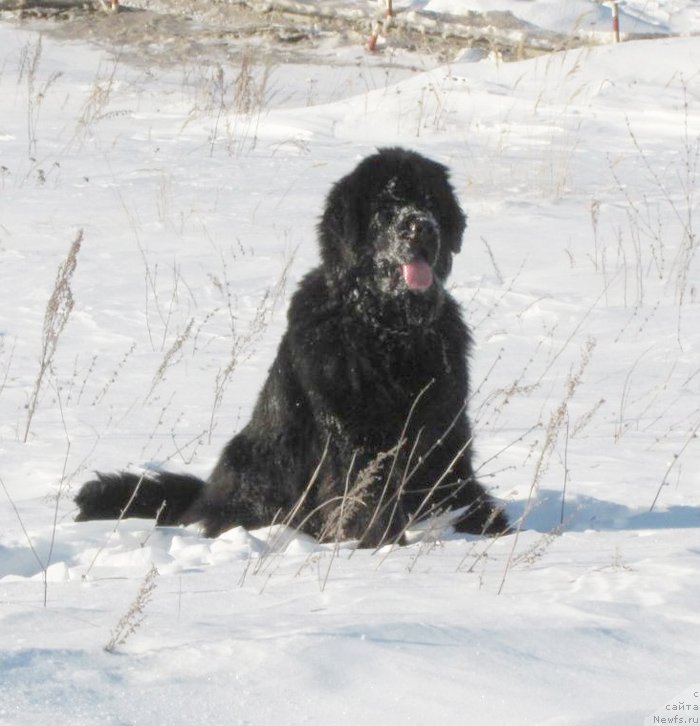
x: 274, y: 542
x: 6, y: 374
x: 244, y: 343
x: 356, y: 497
x: 30, y: 59
x: 58, y: 311
x: 133, y: 617
x: 35, y: 554
x: 169, y: 356
x: 692, y: 436
x: 116, y: 525
x: 557, y: 422
x: 112, y: 379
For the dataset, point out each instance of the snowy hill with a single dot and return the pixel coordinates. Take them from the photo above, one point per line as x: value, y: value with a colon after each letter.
x: 195, y: 192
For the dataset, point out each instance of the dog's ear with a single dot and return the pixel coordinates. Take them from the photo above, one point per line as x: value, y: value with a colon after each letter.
x: 455, y: 222
x: 453, y: 219
x: 339, y: 229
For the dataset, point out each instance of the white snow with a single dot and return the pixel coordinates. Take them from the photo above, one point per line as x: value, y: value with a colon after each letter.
x: 587, y: 16
x: 579, y: 277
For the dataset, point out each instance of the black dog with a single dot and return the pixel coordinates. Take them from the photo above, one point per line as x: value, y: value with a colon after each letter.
x: 360, y: 429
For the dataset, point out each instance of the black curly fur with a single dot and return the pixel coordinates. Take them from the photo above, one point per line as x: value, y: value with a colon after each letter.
x: 366, y: 356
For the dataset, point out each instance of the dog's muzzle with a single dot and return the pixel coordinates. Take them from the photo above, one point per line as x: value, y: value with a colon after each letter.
x: 418, y: 243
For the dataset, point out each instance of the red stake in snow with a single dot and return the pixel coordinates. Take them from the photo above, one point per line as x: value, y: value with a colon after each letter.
x: 616, y: 21
x: 389, y: 13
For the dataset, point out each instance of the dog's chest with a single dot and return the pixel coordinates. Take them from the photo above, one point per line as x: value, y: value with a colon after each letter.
x: 397, y: 366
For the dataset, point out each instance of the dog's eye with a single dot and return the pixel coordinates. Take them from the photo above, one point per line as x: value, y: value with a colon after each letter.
x: 383, y: 214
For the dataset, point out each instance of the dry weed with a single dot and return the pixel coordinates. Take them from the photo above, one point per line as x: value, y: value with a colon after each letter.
x: 58, y: 310
x: 132, y: 619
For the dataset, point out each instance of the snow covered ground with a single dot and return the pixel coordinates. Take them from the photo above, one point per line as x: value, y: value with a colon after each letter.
x: 585, y: 16
x: 196, y: 191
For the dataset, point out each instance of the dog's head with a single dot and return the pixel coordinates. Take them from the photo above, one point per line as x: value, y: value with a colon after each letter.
x: 394, y: 222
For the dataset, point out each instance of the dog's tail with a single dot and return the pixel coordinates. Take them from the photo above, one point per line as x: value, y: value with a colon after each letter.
x: 162, y: 496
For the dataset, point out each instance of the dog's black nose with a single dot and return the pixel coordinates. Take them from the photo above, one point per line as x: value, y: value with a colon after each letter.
x: 417, y: 228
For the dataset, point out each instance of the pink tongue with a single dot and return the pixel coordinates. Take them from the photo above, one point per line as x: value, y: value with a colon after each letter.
x: 417, y: 274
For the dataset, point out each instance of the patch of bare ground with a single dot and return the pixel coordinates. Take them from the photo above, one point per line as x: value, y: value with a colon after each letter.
x: 165, y: 33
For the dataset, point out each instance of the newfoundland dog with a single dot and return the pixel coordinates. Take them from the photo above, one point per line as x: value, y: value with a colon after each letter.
x: 360, y: 430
